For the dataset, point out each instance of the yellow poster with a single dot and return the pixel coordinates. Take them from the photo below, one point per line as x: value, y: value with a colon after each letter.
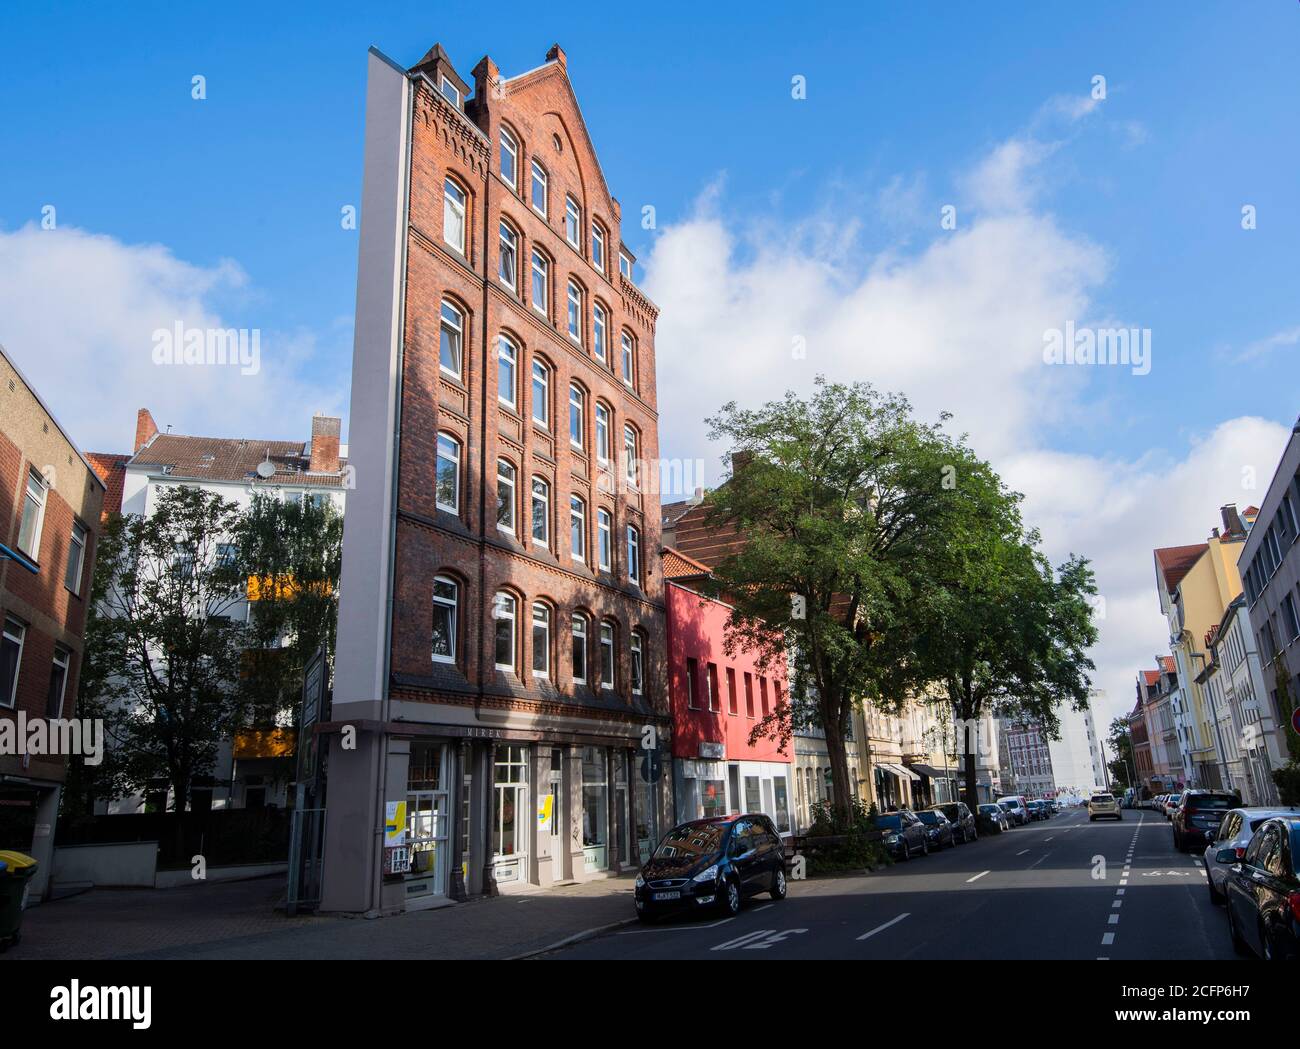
x: 394, y: 823
x: 544, y: 810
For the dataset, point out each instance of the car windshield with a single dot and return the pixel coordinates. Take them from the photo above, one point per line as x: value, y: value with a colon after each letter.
x: 992, y: 810
x: 894, y: 822
x: 931, y: 818
x: 1212, y: 801
x: 1102, y: 797
x: 1174, y: 798
x: 1009, y: 804
x: 694, y: 840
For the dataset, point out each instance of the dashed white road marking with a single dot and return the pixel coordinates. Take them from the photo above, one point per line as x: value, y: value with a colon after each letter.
x: 881, y: 928
x: 977, y: 877
x: 1108, y: 939
x: 1022, y: 852
x: 1114, y: 920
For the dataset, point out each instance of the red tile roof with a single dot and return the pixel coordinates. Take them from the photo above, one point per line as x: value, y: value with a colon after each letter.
x: 1151, y: 677
x: 1176, y: 561
x: 677, y: 565
x: 233, y: 459
x: 1168, y: 665
x: 111, y: 467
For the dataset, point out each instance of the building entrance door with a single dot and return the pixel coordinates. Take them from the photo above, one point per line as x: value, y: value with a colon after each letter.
x: 427, y: 822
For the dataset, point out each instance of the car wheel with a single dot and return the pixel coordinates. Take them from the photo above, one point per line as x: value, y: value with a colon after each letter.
x: 925, y: 846
x: 1216, y: 897
x: 1238, y: 944
x: 731, y: 898
x: 779, y: 887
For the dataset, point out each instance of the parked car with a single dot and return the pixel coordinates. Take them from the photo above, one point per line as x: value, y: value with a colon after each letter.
x: 937, y: 827
x: 1015, y: 806
x: 712, y: 863
x: 964, y: 826
x: 1040, y: 809
x: 992, y: 818
x: 1198, y: 817
x: 1229, y: 845
x: 1100, y: 805
x: 1263, y: 893
x: 1171, y: 803
x: 905, y: 835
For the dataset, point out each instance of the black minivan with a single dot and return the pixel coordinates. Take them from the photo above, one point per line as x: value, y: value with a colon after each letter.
x: 712, y: 863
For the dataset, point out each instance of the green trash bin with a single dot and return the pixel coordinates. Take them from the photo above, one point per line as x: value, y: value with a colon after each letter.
x: 16, y: 871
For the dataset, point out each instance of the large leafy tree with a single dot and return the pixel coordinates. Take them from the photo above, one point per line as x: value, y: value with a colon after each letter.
x: 291, y: 552
x: 162, y: 650
x: 1123, y: 765
x: 994, y: 626
x: 843, y: 500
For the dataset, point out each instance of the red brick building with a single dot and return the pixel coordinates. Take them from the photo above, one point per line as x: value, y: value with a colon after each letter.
x: 501, y: 609
x: 50, y: 505
x: 717, y: 700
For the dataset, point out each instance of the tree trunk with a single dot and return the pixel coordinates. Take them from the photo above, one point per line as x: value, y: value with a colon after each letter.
x: 841, y: 791
x: 970, y: 792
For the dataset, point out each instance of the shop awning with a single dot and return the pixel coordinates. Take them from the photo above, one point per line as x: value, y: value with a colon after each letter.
x: 932, y: 772
x: 901, y: 771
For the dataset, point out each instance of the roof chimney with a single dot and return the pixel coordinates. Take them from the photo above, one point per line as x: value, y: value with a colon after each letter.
x: 324, y: 444
x: 1233, y: 526
x: 145, y: 428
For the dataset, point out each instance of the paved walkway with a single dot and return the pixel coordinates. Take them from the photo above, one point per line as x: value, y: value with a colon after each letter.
x: 238, y: 920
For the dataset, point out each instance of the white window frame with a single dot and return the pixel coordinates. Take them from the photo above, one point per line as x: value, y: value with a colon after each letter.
x: 578, y: 400
x: 599, y: 331
x: 545, y: 609
x: 539, y: 175
x: 578, y: 516
x: 511, y: 481
x: 572, y: 221
x: 631, y: 447
x: 450, y: 204
x: 634, y: 555
x: 453, y: 605
x: 579, y: 628
x: 545, y: 499
x: 624, y: 265
x: 509, y: 147
x: 629, y: 360
x: 500, y: 602
x: 602, y: 432
x: 62, y: 660
x: 16, y: 631
x: 607, y: 646
x: 504, y: 342
x: 443, y: 84
x: 76, y: 556
x: 507, y: 248
x: 573, y: 322
x: 451, y: 318
x: 36, y: 493
x: 604, y: 539
x: 438, y: 460
x: 638, y: 663
x: 598, y: 246
x: 537, y: 262
x: 544, y: 379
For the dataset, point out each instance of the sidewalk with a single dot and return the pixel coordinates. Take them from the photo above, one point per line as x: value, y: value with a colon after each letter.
x: 237, y: 920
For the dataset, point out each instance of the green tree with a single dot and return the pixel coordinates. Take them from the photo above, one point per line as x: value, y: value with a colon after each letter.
x: 162, y: 652
x: 291, y: 552
x: 844, y: 501
x: 1123, y: 765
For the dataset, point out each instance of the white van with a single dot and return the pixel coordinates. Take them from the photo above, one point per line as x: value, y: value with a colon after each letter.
x: 1016, y: 808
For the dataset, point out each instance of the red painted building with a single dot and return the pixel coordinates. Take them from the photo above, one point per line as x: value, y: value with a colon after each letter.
x: 717, y: 701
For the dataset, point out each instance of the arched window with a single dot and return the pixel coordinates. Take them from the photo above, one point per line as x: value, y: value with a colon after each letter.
x: 505, y: 496
x: 538, y: 192
x: 575, y: 313
x: 629, y: 360
x: 446, y: 613
x: 633, y: 555
x: 598, y: 330
x: 579, y: 649
x: 602, y: 432
x: 572, y: 222
x: 604, y: 539
x: 578, y: 528
x: 541, y: 395
x: 630, y: 454
x: 607, y: 655
x: 447, y: 483
x: 598, y: 246
x: 509, y: 157
x: 451, y: 339
x: 454, y: 200
x: 507, y: 358
x: 541, y: 639
x: 541, y: 283
x: 503, y: 614
x: 541, y: 512
x: 577, y: 424
x: 638, y: 663
x: 508, y: 256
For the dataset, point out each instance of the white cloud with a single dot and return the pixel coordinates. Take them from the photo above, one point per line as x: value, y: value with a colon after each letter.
x: 1263, y: 347
x: 78, y: 311
x: 957, y: 324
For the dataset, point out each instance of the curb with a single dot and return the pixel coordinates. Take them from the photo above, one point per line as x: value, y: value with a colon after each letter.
x: 577, y: 937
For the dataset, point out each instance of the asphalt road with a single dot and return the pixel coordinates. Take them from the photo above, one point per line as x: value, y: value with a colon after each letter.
x: 1063, y: 888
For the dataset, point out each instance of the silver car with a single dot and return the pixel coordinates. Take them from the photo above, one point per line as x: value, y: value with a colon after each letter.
x: 1229, y: 844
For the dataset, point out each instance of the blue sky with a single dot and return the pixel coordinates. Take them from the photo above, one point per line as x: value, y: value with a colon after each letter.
x: 1126, y: 210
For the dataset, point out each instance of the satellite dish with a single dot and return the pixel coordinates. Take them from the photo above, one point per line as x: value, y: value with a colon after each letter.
x: 266, y: 468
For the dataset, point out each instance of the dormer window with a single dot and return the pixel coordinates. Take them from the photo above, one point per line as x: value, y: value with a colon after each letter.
x: 449, y: 91
x: 624, y: 265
